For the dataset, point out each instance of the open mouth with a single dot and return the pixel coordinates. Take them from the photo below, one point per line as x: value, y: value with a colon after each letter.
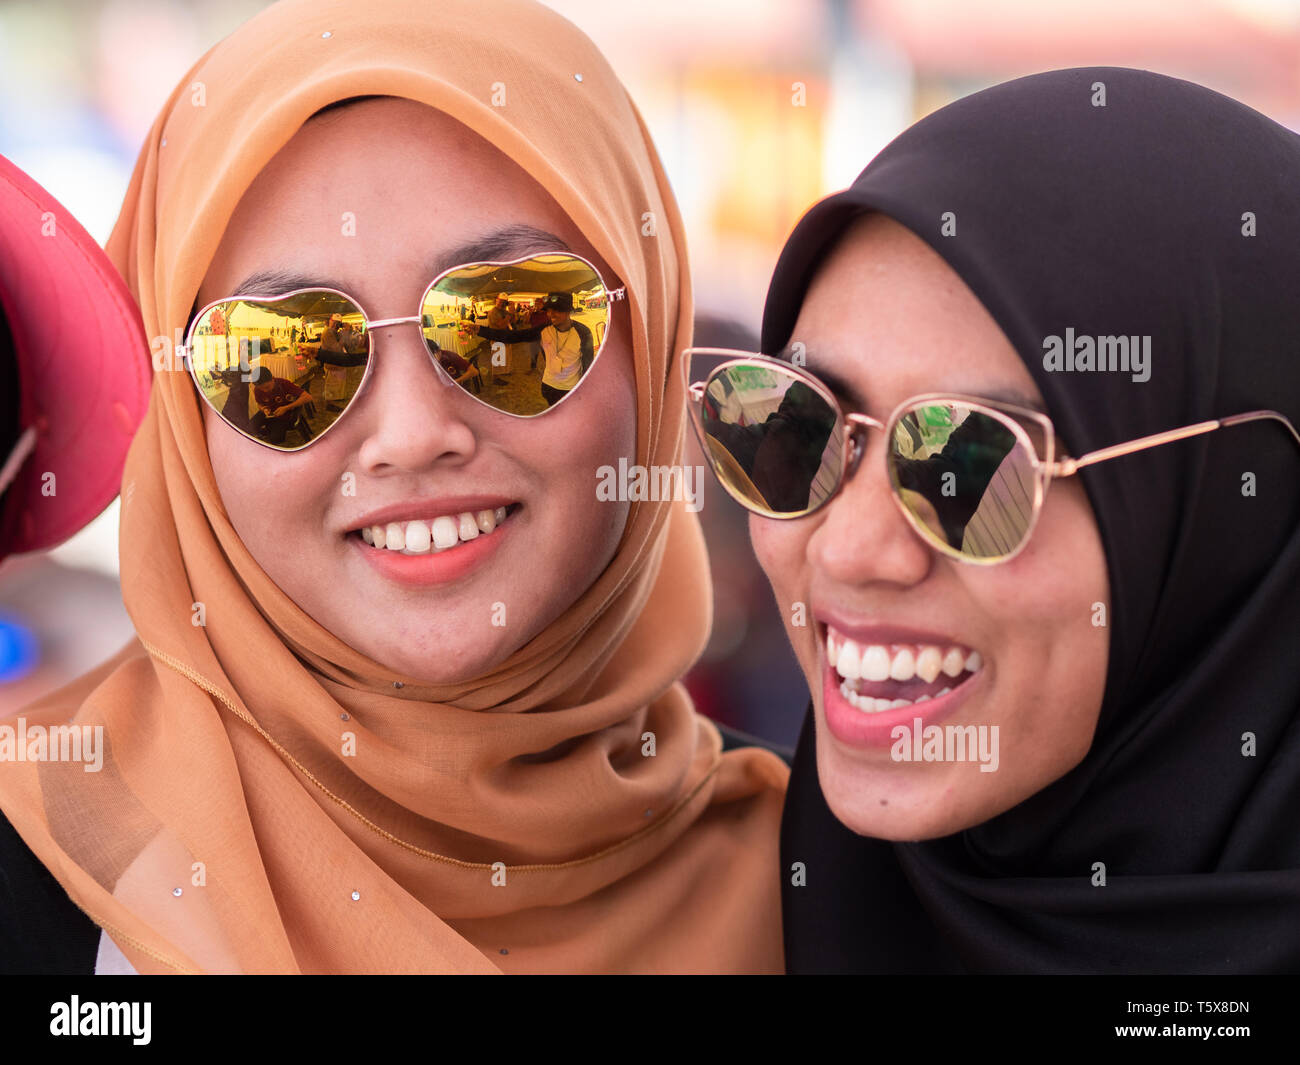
x: 433, y: 536
x: 879, y: 677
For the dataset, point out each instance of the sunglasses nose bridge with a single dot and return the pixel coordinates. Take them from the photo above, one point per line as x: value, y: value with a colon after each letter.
x: 384, y: 323
x: 858, y: 424
x: 416, y: 319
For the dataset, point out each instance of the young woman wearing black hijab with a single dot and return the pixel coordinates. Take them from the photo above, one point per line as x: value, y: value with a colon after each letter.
x: 1116, y: 634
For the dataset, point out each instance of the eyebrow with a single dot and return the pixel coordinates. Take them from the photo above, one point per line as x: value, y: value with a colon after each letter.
x: 843, y: 389
x: 501, y: 244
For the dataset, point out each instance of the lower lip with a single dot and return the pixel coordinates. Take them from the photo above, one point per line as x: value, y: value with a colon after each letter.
x: 440, y: 567
x: 856, y: 728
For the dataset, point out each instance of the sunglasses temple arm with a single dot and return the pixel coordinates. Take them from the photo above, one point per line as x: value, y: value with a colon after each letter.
x: 1257, y: 415
x: 1068, y: 466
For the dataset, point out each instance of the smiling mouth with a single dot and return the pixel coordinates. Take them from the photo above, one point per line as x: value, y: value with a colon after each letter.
x: 434, y: 535
x: 879, y: 677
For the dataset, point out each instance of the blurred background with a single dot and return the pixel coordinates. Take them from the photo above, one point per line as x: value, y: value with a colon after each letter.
x: 759, y: 108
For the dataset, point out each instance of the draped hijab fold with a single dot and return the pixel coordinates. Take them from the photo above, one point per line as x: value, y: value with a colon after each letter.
x: 511, y: 823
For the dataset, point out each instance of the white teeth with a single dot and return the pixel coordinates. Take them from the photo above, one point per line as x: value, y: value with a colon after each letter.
x: 417, y: 537
x: 438, y: 534
x: 868, y: 705
x: 849, y: 664
x: 953, y: 662
x: 928, y: 663
x: 445, y: 533
x: 862, y: 702
x: 875, y: 663
x: 878, y: 662
x: 872, y: 663
x: 904, y: 665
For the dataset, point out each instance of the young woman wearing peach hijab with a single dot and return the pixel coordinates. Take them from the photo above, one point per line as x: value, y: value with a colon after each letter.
x: 320, y: 758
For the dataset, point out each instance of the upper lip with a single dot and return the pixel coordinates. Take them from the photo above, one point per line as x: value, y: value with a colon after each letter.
x: 428, y: 508
x: 872, y: 633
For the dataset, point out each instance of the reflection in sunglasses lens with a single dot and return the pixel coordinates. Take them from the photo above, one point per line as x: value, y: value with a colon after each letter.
x: 772, y: 440
x: 518, y: 336
x: 281, y: 371
x: 965, y: 477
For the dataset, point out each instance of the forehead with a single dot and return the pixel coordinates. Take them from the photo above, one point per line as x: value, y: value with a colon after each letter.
x: 386, y: 150
x: 377, y: 189
x: 889, y: 318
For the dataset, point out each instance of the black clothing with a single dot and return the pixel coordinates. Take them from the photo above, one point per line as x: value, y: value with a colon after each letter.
x: 42, y: 932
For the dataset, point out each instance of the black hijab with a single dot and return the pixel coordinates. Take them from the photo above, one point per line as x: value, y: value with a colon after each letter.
x: 1123, y: 219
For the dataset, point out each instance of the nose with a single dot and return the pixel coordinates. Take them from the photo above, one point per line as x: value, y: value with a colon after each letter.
x: 413, y: 416
x: 864, y: 538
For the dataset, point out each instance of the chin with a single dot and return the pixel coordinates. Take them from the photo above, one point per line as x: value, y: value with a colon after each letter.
x: 861, y: 812
x: 902, y: 804
x: 901, y: 828
x: 435, y: 663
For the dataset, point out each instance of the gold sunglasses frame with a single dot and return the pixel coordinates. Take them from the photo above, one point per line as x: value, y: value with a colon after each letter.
x: 611, y: 296
x: 854, y: 426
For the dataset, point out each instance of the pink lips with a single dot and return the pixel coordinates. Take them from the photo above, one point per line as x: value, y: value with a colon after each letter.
x: 856, y: 727
x: 882, y: 634
x: 859, y: 729
x: 436, y: 567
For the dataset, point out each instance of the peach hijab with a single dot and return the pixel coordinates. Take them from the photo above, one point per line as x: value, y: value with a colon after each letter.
x: 226, y: 831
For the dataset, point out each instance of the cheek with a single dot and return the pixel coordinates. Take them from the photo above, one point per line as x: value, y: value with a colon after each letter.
x: 596, y: 425
x: 781, y: 548
x: 1060, y: 578
x: 593, y: 428
x: 275, y: 502
x: 1052, y: 605
x: 774, y: 553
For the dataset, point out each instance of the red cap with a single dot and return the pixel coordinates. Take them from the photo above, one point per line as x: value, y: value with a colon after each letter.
x: 83, y: 366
